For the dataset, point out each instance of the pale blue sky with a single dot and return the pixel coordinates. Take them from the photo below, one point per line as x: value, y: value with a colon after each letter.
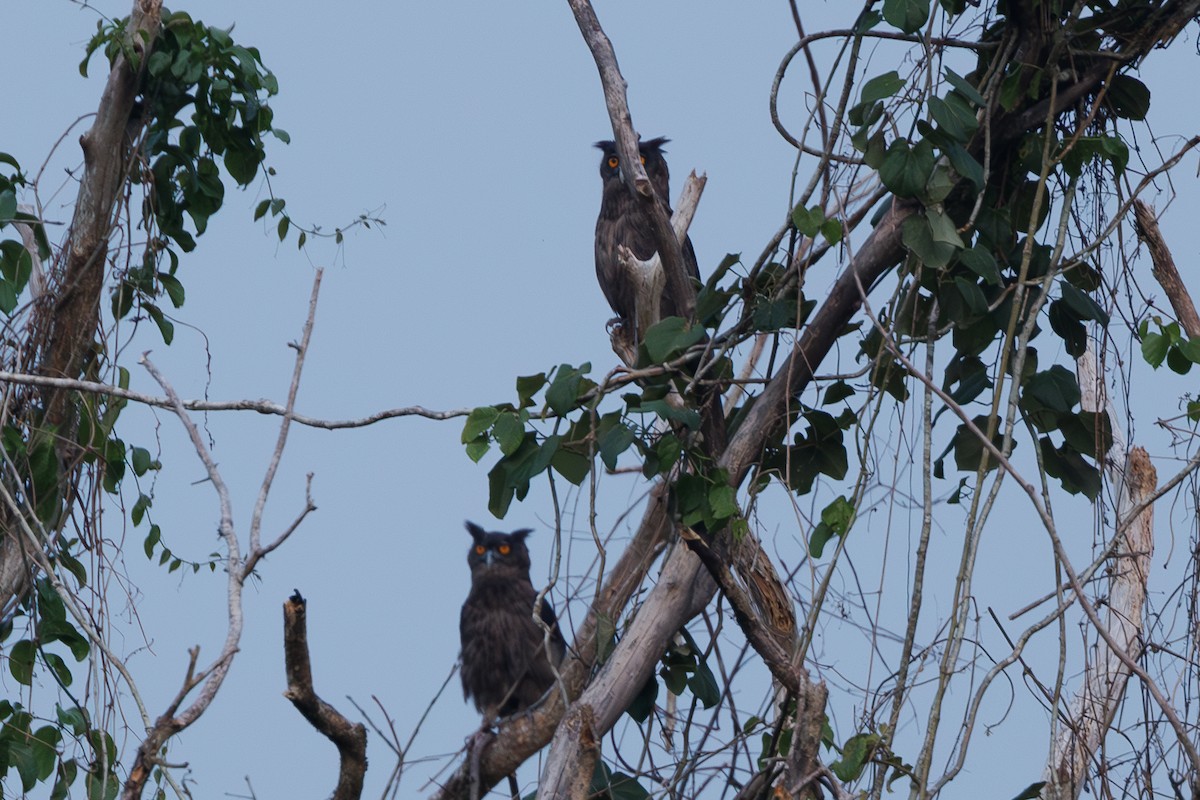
x: 468, y: 127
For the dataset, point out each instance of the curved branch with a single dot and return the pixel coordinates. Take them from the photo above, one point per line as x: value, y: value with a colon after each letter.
x: 261, y: 406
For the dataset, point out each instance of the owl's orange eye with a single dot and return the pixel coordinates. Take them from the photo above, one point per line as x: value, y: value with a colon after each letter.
x: 643, y: 159
x: 480, y: 549
x: 504, y: 549
x: 612, y: 162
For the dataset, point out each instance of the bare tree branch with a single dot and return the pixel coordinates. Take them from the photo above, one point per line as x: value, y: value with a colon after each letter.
x: 261, y: 406
x: 350, y: 738
x: 1165, y: 271
x: 211, y: 679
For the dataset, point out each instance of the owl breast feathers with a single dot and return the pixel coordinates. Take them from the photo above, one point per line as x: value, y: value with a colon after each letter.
x: 505, y: 665
x: 623, y: 220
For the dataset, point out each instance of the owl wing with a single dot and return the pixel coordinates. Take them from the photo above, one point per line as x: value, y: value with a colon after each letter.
x: 558, y: 645
x: 608, y: 271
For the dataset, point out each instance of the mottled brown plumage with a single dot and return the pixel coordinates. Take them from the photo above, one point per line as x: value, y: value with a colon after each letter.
x: 505, y: 668
x: 622, y: 220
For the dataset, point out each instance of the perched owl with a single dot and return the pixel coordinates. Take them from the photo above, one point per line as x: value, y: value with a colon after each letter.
x: 505, y: 667
x: 622, y: 221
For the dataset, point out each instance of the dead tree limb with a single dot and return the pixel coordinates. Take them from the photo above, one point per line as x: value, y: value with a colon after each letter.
x: 349, y: 738
x: 1096, y: 704
x: 1164, y: 269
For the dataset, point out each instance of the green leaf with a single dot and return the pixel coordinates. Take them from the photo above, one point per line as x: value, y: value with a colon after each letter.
x: 1088, y: 432
x: 722, y: 499
x: 139, y: 509
x: 643, y: 704
x: 917, y: 235
x: 837, y: 391
x: 20, y: 661
x: 59, y: 667
x: 881, y: 87
x: 74, y: 718
x: 856, y: 754
x: 613, y: 442
x: 1154, y: 348
x: 1190, y: 350
x: 141, y: 459
x: 704, y: 685
x: 972, y: 296
x: 571, y: 465
x: 671, y: 337
x: 242, y: 163
x: 982, y: 263
x: 942, y: 229
x: 969, y: 451
x: 152, y: 539
x: 606, y: 637
x: 8, y: 297
x: 564, y: 391
x: 478, y: 449
x: 261, y: 209
x: 808, y: 221
x: 1074, y: 474
x: 527, y: 387
x: 906, y: 169
x: 1178, y: 362
x: 1083, y: 305
x: 8, y: 206
x: 72, y: 565
x: 1117, y: 152
x: 1129, y: 97
x: 687, y: 416
x: 509, y: 432
x: 1031, y: 792
x: 835, y: 521
x: 479, y: 421
x: 867, y: 20
x: 907, y: 15
x: 954, y: 118
x: 965, y: 164
x: 1055, y: 389
x: 940, y: 184
x: 173, y: 288
x: 282, y: 228
x: 964, y: 87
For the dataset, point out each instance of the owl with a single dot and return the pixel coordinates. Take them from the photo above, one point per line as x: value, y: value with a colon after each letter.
x: 623, y: 221
x: 505, y: 666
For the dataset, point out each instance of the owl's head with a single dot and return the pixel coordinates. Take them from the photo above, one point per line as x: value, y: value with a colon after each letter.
x: 499, y: 552
x: 652, y: 157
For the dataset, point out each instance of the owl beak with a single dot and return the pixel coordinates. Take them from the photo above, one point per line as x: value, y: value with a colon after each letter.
x: 487, y: 558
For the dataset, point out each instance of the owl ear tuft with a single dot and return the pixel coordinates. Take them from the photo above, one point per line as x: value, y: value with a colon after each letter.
x: 477, y: 533
x: 654, y: 145
x: 521, y: 534
x: 605, y: 144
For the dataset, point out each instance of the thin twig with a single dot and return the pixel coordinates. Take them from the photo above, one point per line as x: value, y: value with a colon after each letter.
x: 260, y: 406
